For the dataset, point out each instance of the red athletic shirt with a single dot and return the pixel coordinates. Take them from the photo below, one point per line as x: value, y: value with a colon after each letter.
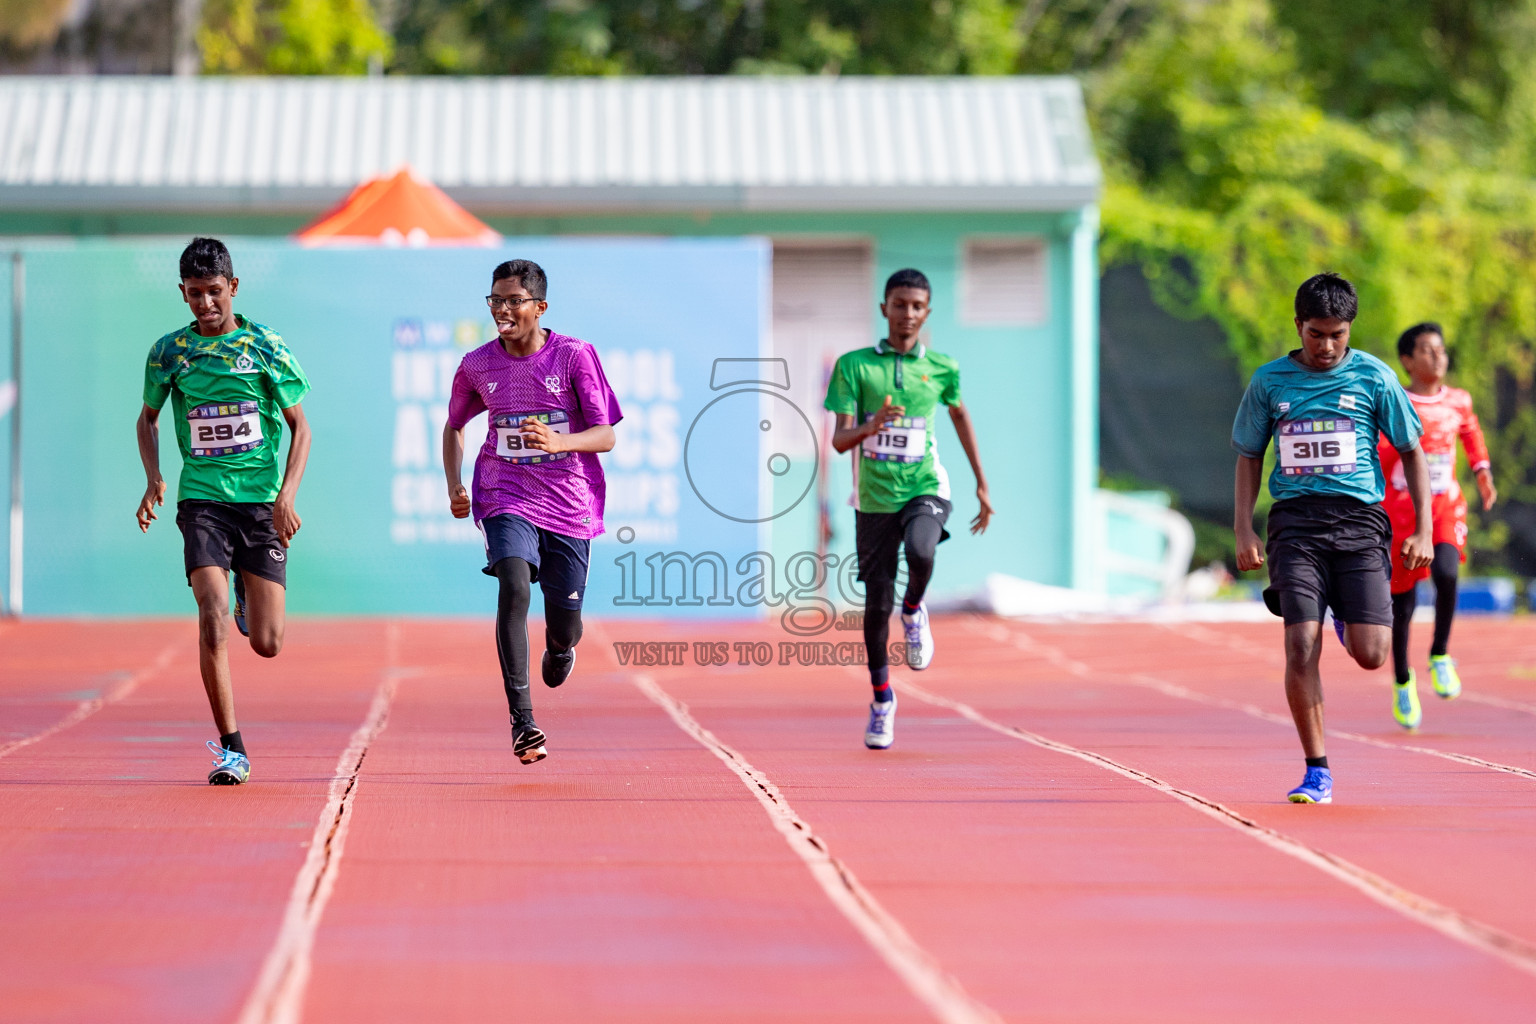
x: 1446, y: 415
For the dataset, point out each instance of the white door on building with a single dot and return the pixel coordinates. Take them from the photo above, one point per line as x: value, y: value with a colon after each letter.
x: 823, y: 306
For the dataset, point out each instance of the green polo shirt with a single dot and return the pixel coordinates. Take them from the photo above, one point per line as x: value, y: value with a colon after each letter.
x: 902, y: 461
x: 227, y: 395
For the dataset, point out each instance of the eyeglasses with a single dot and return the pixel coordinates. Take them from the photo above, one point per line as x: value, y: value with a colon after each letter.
x: 497, y: 302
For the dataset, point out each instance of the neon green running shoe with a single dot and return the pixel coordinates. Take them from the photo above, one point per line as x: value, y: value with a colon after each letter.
x: 1405, y: 703
x: 1442, y: 672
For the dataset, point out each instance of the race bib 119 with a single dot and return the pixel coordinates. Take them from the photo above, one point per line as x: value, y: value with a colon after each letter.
x: 224, y: 429
x: 1316, y: 446
x: 903, y: 439
x: 510, y: 444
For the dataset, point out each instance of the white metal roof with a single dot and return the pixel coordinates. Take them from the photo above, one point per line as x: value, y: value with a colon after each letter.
x: 542, y: 144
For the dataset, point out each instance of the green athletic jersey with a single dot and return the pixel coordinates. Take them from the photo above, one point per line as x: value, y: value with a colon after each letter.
x: 902, y: 461
x: 226, y: 395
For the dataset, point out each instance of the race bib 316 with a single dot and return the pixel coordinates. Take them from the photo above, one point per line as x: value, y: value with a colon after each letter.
x: 1317, y: 446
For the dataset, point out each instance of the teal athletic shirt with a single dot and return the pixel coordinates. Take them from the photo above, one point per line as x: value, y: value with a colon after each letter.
x: 1325, y: 425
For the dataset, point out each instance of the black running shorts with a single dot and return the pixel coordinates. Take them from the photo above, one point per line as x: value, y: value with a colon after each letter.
x: 878, y: 535
x: 232, y: 535
x: 1330, y: 553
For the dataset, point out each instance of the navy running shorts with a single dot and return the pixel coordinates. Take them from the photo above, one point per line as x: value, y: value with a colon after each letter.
x: 557, y: 563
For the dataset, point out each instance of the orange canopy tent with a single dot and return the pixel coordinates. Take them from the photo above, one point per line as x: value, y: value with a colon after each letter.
x: 401, y: 210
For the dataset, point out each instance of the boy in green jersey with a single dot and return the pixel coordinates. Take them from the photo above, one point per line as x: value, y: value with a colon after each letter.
x: 886, y: 399
x: 232, y: 383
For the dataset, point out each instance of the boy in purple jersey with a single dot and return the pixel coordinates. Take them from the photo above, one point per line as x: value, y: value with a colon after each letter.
x: 538, y: 487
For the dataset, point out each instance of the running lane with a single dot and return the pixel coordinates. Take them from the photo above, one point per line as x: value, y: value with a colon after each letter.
x: 130, y: 890
x: 628, y: 877
x: 1054, y: 889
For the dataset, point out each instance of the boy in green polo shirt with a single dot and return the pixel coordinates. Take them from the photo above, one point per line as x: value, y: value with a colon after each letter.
x: 886, y: 399
x: 232, y: 383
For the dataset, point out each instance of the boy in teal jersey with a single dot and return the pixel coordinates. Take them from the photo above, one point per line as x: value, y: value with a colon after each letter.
x: 1324, y: 405
x: 886, y: 398
x: 232, y: 384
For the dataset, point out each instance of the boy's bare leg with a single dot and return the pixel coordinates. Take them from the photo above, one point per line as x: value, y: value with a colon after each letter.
x: 1368, y: 645
x: 1304, y: 684
x: 210, y: 586
x: 265, y: 614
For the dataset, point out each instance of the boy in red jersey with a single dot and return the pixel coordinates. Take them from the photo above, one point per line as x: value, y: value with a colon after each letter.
x: 1447, y: 414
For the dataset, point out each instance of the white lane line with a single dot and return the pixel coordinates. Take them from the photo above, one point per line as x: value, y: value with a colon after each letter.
x: 86, y: 708
x: 1081, y: 669
x: 1513, y: 950
x: 928, y: 981
x: 278, y: 997
x: 1216, y: 638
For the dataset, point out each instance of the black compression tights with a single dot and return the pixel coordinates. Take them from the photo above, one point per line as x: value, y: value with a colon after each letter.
x: 920, y: 541
x: 562, y: 630
x: 1442, y: 571
x: 512, y: 632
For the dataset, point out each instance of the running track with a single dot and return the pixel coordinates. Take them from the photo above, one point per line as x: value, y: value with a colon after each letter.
x: 1078, y: 823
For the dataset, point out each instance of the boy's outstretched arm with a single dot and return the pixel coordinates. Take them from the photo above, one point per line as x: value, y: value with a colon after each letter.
x: 148, y: 429
x: 1419, y: 548
x: 285, y: 520
x: 1245, y: 495
x: 967, y: 433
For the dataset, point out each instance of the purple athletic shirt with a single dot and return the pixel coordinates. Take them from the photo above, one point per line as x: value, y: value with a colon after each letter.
x: 562, y: 384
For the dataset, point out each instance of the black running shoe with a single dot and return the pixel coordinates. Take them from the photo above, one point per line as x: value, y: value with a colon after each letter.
x: 527, y: 740
x: 557, y: 667
x: 240, y: 604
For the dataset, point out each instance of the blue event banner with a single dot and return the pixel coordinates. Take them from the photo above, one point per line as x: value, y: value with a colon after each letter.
x: 681, y: 326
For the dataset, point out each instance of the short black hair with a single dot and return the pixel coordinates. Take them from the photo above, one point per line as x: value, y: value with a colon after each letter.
x: 908, y: 278
x: 206, y: 258
x: 528, y: 273
x: 1409, y: 339
x: 1327, y: 297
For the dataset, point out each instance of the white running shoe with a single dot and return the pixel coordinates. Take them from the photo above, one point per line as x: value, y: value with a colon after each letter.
x: 881, y: 731
x: 919, y: 638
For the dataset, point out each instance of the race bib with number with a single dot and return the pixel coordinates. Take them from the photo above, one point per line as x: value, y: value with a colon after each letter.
x: 224, y: 429
x: 1317, y: 446
x: 1442, y: 473
x: 903, y: 439
x: 510, y: 446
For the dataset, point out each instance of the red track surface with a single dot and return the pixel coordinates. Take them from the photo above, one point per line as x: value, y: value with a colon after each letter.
x: 652, y: 869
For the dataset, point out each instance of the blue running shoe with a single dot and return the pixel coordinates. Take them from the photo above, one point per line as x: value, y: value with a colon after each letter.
x: 230, y: 768
x: 1316, y: 788
x: 240, y: 604
x: 1338, y: 629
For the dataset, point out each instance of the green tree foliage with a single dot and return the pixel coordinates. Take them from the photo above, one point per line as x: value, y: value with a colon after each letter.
x: 683, y: 37
x: 290, y: 37
x: 1229, y: 182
